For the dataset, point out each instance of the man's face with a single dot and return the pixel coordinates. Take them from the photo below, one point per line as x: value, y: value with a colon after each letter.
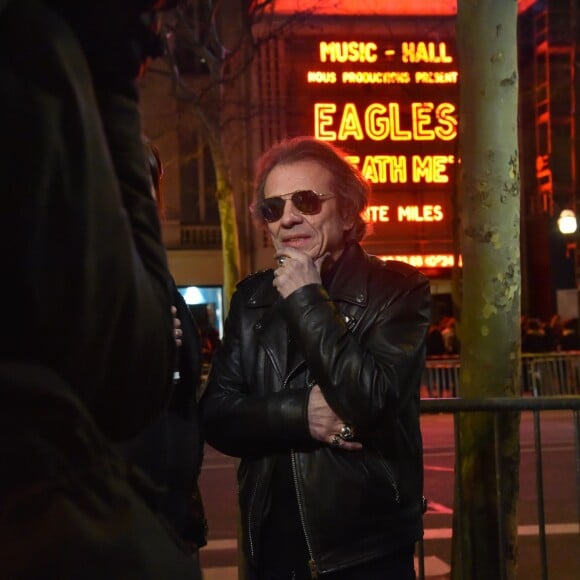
x: 314, y: 234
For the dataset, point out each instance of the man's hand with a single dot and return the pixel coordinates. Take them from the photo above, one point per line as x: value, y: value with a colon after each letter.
x: 326, y: 426
x: 296, y: 269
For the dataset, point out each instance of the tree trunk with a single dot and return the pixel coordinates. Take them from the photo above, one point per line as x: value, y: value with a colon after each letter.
x: 228, y: 217
x: 490, y: 333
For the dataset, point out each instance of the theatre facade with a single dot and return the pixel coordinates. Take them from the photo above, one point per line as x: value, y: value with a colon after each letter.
x: 380, y: 81
x: 385, y: 90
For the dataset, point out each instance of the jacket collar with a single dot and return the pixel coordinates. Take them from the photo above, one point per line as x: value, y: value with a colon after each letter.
x: 349, y: 283
x: 348, y: 289
x: 264, y: 295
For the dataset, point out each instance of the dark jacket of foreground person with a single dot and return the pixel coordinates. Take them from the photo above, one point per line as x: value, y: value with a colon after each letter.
x: 87, y: 290
x: 86, y: 333
x: 70, y: 506
x: 362, y: 341
x: 170, y: 450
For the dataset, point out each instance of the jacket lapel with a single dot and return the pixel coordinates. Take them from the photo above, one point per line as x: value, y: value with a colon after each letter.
x: 271, y: 329
x: 349, y: 285
x: 349, y: 291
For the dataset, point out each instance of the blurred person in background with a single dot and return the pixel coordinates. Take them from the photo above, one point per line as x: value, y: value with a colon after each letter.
x: 534, y: 337
x: 569, y: 338
x: 87, y: 341
x: 554, y: 331
x: 316, y: 383
x: 449, y: 334
x: 435, y: 343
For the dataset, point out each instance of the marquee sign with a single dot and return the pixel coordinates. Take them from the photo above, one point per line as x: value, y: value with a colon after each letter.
x: 391, y: 104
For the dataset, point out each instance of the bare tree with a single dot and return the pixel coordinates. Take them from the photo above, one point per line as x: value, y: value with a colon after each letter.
x: 218, y: 41
x: 489, y: 190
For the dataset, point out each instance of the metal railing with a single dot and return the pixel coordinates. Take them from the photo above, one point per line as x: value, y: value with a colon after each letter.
x: 201, y: 237
x: 551, y: 373
x: 441, y: 377
x: 497, y: 406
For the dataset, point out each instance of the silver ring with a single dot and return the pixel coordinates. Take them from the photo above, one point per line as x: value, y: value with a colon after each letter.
x: 346, y: 432
x: 281, y: 260
x: 335, y: 441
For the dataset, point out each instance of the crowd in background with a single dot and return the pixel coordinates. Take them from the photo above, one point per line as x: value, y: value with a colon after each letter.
x: 442, y: 337
x: 556, y: 334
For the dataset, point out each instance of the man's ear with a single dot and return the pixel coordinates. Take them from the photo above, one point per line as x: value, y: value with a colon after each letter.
x: 348, y: 219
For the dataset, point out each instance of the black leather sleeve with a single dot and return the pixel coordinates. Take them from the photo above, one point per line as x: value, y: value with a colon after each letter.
x: 239, y: 420
x: 368, y: 373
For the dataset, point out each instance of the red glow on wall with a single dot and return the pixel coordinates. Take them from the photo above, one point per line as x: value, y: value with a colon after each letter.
x: 376, y: 7
x: 356, y: 7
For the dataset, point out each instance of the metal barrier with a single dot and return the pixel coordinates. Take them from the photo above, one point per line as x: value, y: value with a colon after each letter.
x: 497, y: 406
x: 441, y: 377
x: 551, y: 373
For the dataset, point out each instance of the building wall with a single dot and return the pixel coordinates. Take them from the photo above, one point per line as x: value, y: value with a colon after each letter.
x: 165, y: 121
x: 196, y: 267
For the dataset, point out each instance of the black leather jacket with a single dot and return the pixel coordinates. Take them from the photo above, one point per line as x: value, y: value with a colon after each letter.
x: 363, y: 341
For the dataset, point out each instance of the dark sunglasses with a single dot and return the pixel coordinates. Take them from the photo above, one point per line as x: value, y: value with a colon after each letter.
x: 306, y: 201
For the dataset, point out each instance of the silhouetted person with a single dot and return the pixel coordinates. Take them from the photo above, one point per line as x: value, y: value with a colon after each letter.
x: 449, y: 333
x: 569, y: 338
x: 534, y: 338
x: 434, y: 341
x: 554, y: 330
x: 170, y: 450
x: 86, y: 334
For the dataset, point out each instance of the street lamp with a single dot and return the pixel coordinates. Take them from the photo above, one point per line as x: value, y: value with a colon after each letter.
x: 567, y: 223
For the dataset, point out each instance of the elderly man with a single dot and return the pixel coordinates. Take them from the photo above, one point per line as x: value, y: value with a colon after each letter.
x: 316, y: 385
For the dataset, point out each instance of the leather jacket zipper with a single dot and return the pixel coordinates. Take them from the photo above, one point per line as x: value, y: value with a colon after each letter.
x: 250, y: 511
x: 311, y: 562
x: 390, y: 475
x: 393, y: 484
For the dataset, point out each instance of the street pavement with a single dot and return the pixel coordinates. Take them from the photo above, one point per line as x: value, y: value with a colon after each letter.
x: 434, y: 568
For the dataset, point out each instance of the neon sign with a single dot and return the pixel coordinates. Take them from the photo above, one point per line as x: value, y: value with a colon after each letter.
x: 391, y: 104
x: 378, y: 121
x: 435, y: 52
x: 394, y: 168
x: 409, y: 52
x: 404, y: 213
x: 347, y: 51
x: 382, y: 77
x: 425, y: 260
x: 355, y: 51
